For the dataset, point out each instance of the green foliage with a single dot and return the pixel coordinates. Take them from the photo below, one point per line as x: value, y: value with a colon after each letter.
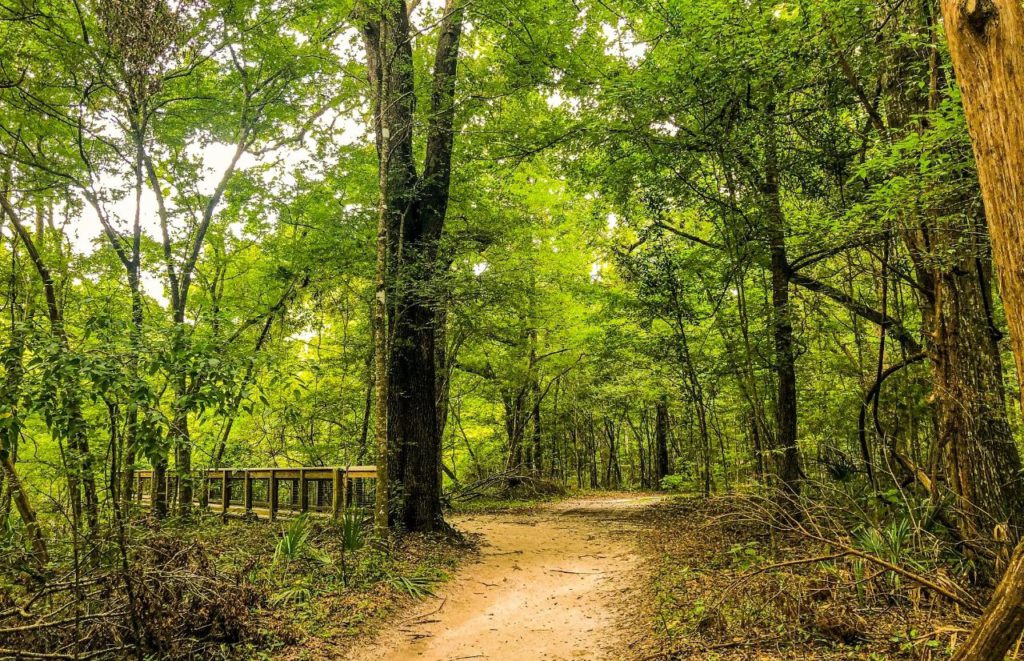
x: 353, y: 529
x: 295, y: 544
x: 199, y: 182
x: 746, y: 554
x: 418, y: 587
x: 673, y: 483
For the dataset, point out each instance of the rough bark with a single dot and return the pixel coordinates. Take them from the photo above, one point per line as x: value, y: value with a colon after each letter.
x: 986, y: 39
x: 413, y: 209
x: 952, y: 263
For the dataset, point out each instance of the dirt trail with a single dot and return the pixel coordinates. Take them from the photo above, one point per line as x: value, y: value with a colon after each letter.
x: 546, y: 586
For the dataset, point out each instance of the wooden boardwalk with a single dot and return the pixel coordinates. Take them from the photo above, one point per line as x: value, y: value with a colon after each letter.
x: 271, y: 492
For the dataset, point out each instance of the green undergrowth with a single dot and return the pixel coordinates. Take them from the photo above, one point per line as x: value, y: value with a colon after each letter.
x: 723, y: 583
x: 323, y: 583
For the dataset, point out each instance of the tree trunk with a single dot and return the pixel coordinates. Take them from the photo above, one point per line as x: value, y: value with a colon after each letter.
x: 788, y: 459
x: 413, y: 434
x: 515, y: 428
x: 661, y: 423
x: 979, y: 454
x: 986, y: 39
x: 412, y: 208
x: 25, y: 509
x: 952, y: 263
x: 537, y: 464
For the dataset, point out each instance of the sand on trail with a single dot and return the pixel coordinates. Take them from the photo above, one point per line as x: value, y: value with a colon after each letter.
x: 547, y: 585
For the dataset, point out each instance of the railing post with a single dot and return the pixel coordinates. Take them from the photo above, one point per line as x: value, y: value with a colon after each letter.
x: 303, y: 495
x: 273, y: 494
x: 336, y: 493
x: 247, y: 490
x: 225, y: 491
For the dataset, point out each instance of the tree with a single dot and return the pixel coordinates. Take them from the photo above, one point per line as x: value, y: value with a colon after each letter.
x: 414, y: 207
x: 986, y: 39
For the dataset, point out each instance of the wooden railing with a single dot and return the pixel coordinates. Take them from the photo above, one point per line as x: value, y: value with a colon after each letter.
x: 270, y: 491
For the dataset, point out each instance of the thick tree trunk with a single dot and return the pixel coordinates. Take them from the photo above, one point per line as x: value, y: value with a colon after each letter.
x: 951, y: 261
x: 987, y: 45
x: 986, y: 39
x: 413, y: 209
x: 413, y: 434
x: 979, y: 454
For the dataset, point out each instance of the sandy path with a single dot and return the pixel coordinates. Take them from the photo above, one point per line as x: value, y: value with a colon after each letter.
x: 545, y: 587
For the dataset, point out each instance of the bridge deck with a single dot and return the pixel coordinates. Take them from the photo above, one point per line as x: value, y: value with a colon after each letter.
x: 270, y: 491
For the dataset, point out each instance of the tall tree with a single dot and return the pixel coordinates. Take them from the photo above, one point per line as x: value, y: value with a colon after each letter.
x: 986, y: 39
x: 414, y: 207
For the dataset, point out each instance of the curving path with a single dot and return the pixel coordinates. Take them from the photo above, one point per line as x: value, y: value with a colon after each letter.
x: 546, y: 586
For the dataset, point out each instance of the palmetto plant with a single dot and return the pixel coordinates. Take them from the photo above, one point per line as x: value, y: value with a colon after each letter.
x: 294, y: 540
x: 892, y: 543
x: 419, y: 587
x: 294, y: 543
x: 353, y: 537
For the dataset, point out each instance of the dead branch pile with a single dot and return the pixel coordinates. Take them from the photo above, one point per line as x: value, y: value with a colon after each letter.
x: 172, y: 602
x: 509, y: 485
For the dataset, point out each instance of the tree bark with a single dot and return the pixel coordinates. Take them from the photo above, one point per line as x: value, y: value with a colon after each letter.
x: 952, y: 263
x: 986, y: 40
x: 413, y: 209
x: 788, y: 468
x: 661, y: 423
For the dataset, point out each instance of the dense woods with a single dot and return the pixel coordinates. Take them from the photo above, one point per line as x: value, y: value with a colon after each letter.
x: 769, y: 251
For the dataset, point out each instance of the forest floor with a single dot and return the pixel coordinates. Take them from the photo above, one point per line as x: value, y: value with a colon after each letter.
x: 640, y: 576
x: 548, y: 583
x: 618, y: 576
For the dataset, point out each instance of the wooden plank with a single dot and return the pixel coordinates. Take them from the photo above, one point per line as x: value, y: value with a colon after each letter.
x: 225, y: 492
x: 248, y: 491
x: 272, y: 515
x: 303, y: 491
x: 336, y: 495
